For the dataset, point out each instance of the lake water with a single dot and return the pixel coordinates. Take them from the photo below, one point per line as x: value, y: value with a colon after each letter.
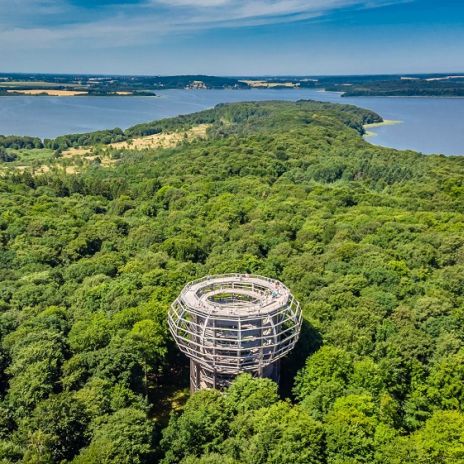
x: 428, y: 125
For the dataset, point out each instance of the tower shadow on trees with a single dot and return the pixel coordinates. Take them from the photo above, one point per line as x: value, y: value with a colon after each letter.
x: 310, y: 341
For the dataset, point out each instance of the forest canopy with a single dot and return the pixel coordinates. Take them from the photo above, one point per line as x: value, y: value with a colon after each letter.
x: 369, y: 239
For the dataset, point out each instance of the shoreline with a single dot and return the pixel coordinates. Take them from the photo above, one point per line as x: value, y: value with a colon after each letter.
x: 386, y: 122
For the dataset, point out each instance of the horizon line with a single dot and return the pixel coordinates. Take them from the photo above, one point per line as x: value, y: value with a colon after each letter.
x: 234, y: 76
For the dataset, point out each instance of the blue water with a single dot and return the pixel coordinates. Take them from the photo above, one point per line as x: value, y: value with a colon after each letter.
x: 429, y: 125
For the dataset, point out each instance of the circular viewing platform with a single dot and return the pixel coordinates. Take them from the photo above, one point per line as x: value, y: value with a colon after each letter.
x: 233, y: 323
x: 235, y: 295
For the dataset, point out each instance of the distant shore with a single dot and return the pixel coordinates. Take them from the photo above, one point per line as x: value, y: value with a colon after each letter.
x: 71, y: 93
x: 442, y: 97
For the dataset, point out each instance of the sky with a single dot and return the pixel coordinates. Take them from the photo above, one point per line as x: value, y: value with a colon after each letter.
x: 232, y: 37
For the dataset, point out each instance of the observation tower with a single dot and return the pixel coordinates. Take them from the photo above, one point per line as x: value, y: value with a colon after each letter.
x: 234, y: 323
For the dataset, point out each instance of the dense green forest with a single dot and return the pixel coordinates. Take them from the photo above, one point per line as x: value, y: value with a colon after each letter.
x: 19, y: 142
x: 401, y: 88
x: 369, y: 239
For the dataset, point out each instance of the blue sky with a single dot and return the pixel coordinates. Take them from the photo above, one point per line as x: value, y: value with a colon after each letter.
x: 232, y: 37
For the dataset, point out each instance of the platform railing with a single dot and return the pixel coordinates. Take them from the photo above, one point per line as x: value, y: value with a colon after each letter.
x: 241, y: 337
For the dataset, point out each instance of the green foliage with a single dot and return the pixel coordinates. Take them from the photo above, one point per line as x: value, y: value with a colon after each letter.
x: 248, y: 394
x: 277, y: 434
x: 7, y: 157
x: 403, y: 87
x: 212, y: 458
x: 369, y: 240
x: 446, y: 382
x: 124, y: 437
x: 60, y: 422
x: 201, y: 428
x: 79, y: 140
x: 18, y: 142
x: 323, y: 379
x: 246, y: 424
x: 36, y: 350
x: 441, y: 440
x: 351, y: 430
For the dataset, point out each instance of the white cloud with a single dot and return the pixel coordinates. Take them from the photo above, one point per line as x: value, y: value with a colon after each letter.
x: 245, y: 9
x: 58, y: 23
x: 223, y: 11
x: 194, y: 3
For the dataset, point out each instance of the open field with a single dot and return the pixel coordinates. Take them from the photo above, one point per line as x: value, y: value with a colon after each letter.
x: 42, y: 161
x: 35, y: 158
x: 74, y: 160
x: 74, y: 152
x: 49, y: 92
x: 163, y: 140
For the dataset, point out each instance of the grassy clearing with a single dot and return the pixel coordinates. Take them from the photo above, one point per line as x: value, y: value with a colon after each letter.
x: 164, y: 140
x: 51, y: 92
x: 75, y: 160
x: 35, y: 158
x: 33, y: 155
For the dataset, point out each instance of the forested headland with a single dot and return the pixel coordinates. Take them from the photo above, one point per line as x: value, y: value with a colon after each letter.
x: 369, y: 239
x: 401, y: 87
